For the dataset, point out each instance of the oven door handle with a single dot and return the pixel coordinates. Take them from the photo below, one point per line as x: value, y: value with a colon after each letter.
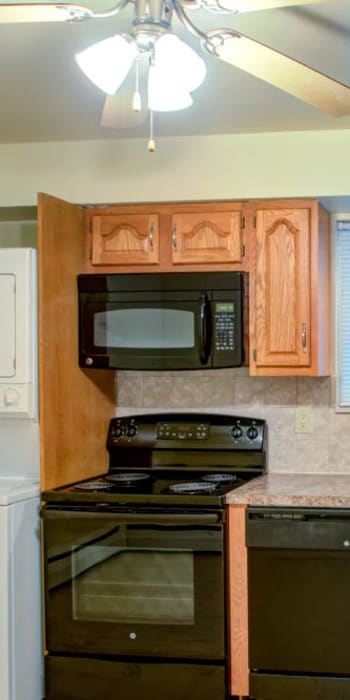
x: 135, y: 518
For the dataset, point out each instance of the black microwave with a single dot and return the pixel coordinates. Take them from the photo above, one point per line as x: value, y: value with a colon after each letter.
x: 161, y: 321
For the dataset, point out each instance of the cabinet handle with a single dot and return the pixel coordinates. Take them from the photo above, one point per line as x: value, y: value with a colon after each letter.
x: 303, y: 336
x: 174, y: 238
x: 150, y: 237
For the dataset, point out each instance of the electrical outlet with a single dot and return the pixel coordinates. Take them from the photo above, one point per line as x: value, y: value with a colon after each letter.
x: 303, y: 419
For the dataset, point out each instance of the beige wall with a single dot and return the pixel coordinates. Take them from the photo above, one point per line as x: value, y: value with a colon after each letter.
x: 18, y: 234
x: 210, y: 167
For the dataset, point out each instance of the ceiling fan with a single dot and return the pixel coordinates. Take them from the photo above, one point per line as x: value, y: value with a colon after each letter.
x: 155, y: 49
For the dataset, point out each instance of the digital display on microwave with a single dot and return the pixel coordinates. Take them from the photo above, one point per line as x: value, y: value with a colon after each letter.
x: 224, y: 308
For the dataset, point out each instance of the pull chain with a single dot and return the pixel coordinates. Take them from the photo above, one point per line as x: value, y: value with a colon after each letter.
x: 151, y: 142
x: 136, y: 100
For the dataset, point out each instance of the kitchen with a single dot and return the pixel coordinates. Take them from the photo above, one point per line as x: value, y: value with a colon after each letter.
x: 94, y: 175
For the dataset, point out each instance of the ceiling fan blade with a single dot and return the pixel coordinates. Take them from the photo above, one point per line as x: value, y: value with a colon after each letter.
x: 118, y: 113
x: 42, y: 12
x: 283, y: 72
x: 254, y: 5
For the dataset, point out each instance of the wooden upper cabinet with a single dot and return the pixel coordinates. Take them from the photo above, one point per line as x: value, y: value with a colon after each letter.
x: 289, y: 294
x: 166, y: 237
x: 207, y: 237
x: 283, y: 287
x: 125, y: 239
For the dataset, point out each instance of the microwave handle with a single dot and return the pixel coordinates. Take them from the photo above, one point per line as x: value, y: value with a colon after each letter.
x: 205, y: 329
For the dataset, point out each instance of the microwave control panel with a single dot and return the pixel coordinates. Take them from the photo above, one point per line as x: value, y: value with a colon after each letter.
x: 224, y: 325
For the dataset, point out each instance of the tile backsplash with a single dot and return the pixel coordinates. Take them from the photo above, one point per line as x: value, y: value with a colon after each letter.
x: 233, y: 391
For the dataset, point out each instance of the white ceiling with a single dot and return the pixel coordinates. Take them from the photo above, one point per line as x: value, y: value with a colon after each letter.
x: 45, y: 96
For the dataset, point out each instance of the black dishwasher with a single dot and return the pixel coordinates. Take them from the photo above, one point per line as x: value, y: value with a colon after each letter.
x: 299, y: 603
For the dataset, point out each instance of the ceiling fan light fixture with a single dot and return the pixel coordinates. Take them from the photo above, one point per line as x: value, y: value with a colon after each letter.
x: 108, y: 62
x: 165, y: 94
x: 179, y: 61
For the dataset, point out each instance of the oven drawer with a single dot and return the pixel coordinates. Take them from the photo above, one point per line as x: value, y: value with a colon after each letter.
x: 96, y: 679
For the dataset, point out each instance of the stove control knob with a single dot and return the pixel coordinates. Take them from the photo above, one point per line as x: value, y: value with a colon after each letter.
x: 131, y: 430
x: 236, y: 432
x: 252, y: 432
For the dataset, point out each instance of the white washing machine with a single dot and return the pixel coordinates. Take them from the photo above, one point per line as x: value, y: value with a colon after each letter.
x: 21, y: 676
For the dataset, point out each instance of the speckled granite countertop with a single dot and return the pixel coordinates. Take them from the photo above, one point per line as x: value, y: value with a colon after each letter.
x: 305, y: 490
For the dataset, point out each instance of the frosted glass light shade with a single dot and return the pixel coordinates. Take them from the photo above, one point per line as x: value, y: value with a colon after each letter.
x: 179, y: 61
x: 108, y: 62
x: 165, y: 94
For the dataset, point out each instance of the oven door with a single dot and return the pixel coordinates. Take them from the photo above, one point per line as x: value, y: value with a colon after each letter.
x: 145, y: 584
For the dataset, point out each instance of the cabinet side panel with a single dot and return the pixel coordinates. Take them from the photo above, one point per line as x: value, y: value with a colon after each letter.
x: 323, y: 292
x: 75, y: 405
x: 238, y: 601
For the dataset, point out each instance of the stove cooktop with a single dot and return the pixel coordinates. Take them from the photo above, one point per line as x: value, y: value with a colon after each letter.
x: 128, y: 483
x: 159, y: 487
x: 173, y: 459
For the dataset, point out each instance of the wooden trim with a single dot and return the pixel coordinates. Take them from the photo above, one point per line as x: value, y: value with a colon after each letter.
x: 324, y: 292
x: 238, y: 601
x: 75, y: 404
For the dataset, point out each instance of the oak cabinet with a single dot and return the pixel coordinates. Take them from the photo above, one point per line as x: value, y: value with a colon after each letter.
x: 118, y: 239
x: 75, y: 405
x: 289, y: 331
x: 166, y: 237
x: 206, y: 237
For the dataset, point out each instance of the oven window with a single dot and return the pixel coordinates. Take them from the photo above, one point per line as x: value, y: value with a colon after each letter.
x: 144, y: 328
x: 115, y: 585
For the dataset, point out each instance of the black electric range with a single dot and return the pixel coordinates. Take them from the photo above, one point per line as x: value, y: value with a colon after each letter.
x: 174, y: 459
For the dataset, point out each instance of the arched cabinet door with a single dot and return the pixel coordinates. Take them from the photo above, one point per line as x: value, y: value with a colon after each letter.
x: 207, y: 237
x: 125, y: 239
x: 290, y: 290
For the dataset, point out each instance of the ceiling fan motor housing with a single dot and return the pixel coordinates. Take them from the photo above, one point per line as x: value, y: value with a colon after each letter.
x: 152, y: 19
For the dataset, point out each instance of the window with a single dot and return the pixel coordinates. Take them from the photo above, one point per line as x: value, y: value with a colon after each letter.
x: 342, y: 310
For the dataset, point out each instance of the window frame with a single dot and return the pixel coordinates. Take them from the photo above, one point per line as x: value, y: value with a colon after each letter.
x: 335, y: 320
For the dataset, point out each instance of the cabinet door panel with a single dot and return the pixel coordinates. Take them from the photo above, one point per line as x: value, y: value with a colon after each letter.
x: 125, y: 239
x: 283, y: 284
x: 206, y: 237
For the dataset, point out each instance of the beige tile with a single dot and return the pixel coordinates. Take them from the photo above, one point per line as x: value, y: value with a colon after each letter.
x: 312, y: 455
x: 251, y: 411
x: 281, y: 455
x: 281, y: 391
x: 227, y: 372
x: 187, y: 373
x: 158, y: 391
x: 280, y: 422
x: 339, y: 426
x: 129, y: 389
x: 188, y: 391
x: 339, y: 456
x: 313, y: 391
x: 218, y: 391
x: 249, y: 390
x: 333, y: 392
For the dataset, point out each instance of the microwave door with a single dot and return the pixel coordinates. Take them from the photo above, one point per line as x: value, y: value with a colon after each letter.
x: 167, y: 332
